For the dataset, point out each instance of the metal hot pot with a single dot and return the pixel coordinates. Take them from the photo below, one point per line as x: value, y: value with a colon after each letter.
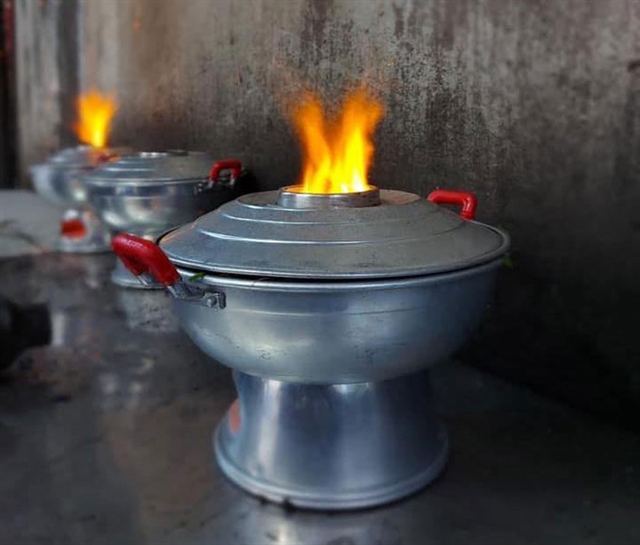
x: 60, y: 180
x: 148, y: 193
x: 330, y: 309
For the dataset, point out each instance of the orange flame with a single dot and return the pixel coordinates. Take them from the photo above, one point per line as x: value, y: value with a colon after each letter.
x: 337, y: 152
x: 95, y: 112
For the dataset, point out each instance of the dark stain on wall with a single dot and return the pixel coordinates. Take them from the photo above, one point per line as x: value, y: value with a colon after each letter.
x: 315, y: 19
x: 67, y: 59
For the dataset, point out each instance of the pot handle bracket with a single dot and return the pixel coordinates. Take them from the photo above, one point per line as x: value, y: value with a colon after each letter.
x: 468, y: 202
x: 214, y: 181
x: 145, y: 259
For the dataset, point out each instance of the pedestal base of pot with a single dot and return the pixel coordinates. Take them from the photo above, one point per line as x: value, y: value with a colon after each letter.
x: 121, y: 276
x: 331, y: 447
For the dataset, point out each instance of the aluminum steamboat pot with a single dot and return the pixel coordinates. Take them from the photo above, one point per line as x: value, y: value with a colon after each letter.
x: 61, y: 181
x: 330, y: 309
x: 150, y: 192
x: 327, y: 289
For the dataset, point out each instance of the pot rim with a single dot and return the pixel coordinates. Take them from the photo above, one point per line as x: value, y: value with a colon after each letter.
x: 323, y: 285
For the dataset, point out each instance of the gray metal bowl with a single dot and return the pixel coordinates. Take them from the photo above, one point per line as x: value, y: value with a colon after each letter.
x: 151, y: 192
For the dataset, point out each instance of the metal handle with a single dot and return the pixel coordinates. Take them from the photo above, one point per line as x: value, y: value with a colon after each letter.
x: 233, y: 165
x: 467, y: 201
x: 142, y: 256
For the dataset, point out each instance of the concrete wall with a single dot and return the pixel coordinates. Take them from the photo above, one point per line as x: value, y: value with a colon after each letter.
x: 533, y: 105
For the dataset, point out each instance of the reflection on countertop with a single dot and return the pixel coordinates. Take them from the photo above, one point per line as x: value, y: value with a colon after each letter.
x: 105, y: 437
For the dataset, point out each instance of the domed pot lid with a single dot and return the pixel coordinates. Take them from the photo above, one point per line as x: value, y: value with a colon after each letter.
x: 375, y: 234
x: 144, y: 168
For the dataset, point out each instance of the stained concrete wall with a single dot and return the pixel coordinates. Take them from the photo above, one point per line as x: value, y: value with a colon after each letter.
x: 533, y: 105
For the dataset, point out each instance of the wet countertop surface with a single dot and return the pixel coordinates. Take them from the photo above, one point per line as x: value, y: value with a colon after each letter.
x: 105, y: 437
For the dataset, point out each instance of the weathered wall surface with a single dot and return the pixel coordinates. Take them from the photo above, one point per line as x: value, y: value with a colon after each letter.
x: 47, y: 76
x: 533, y: 105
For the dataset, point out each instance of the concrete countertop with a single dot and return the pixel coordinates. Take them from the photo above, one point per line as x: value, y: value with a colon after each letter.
x: 28, y: 224
x: 105, y: 437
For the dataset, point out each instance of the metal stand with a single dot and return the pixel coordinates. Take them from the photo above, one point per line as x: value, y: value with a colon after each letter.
x: 342, y: 446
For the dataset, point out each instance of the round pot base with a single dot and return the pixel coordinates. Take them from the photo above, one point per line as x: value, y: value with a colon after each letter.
x: 331, y: 447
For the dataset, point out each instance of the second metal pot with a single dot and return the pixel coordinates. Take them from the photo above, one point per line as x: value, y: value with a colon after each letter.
x: 329, y: 334
x: 149, y: 193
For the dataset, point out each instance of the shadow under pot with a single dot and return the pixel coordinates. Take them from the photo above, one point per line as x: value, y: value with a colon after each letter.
x: 149, y: 193
x: 331, y: 310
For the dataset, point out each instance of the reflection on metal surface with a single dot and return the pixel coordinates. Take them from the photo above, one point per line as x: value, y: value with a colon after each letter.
x: 148, y: 310
x: 81, y: 231
x: 119, y: 392
x: 404, y: 236
x: 70, y: 327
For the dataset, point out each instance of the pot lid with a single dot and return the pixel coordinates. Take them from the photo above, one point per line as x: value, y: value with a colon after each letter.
x: 288, y: 235
x: 81, y: 157
x: 144, y: 167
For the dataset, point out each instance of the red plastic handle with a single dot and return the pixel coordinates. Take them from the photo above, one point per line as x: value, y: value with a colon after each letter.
x: 467, y: 201
x: 143, y: 256
x: 107, y: 157
x: 73, y: 228
x: 233, y: 165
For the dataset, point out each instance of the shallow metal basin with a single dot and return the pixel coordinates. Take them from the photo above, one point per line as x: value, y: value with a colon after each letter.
x: 61, y: 186
x: 337, y: 332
